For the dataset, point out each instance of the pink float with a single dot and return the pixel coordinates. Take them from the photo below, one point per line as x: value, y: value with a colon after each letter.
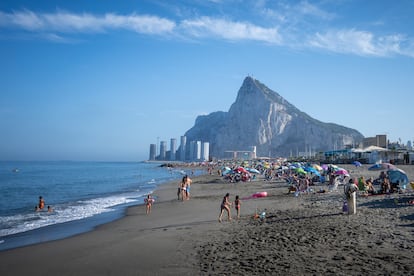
x: 260, y: 194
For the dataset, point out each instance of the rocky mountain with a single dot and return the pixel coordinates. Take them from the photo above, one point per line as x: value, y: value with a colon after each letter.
x: 261, y: 117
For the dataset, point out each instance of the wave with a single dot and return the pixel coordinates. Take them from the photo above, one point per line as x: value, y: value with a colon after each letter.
x: 66, y: 212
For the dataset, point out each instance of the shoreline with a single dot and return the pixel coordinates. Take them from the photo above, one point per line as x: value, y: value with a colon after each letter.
x: 186, y: 237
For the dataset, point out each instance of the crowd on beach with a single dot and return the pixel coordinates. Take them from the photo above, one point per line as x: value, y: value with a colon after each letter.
x: 301, y: 178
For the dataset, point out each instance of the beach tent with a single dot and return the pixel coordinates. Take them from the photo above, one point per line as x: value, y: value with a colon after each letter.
x: 357, y: 164
x: 369, y: 149
x: 382, y: 167
x: 398, y: 175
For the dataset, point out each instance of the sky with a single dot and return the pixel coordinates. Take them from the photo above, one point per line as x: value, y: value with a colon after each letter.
x: 101, y: 80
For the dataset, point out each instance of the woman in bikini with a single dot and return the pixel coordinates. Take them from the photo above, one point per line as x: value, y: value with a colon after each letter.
x: 148, y: 204
x: 237, y: 204
x: 225, y: 205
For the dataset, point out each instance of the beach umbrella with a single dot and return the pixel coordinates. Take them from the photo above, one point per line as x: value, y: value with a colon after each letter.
x: 316, y: 166
x: 240, y: 170
x: 300, y: 170
x: 382, y: 166
x: 312, y: 170
x: 227, y: 172
x: 341, y: 171
x: 251, y: 170
x: 357, y: 164
x: 398, y: 175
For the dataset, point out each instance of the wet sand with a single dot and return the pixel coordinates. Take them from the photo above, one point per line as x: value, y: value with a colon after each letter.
x: 308, y: 234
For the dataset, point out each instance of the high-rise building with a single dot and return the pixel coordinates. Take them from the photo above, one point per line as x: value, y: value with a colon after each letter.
x: 253, y: 153
x: 173, y: 148
x: 197, y: 151
x: 205, y: 152
x: 163, y: 150
x: 192, y: 150
x: 183, y: 148
x: 153, y: 152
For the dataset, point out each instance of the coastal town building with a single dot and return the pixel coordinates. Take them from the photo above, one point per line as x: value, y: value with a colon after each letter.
x: 378, y: 141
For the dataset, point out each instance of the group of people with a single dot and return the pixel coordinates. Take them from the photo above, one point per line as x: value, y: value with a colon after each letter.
x: 41, y: 205
x: 183, y: 193
x: 184, y: 186
x: 226, y: 204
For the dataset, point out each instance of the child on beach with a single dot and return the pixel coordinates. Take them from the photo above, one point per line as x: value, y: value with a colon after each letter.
x: 237, y: 203
x: 225, y: 205
x: 148, y: 204
x: 179, y: 191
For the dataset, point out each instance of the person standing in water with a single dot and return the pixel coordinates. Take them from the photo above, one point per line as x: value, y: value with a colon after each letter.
x: 41, y: 203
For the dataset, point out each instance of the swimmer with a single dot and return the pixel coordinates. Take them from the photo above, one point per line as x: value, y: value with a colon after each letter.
x: 41, y: 203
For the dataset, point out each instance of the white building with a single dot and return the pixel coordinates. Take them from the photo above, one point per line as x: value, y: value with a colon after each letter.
x: 205, y: 153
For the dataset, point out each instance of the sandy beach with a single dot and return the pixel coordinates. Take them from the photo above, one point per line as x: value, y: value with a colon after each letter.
x: 304, y: 235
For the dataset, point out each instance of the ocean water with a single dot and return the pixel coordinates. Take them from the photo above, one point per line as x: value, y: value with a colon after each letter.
x: 82, y: 195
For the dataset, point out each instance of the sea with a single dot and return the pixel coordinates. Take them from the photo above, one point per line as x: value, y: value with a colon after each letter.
x: 82, y: 195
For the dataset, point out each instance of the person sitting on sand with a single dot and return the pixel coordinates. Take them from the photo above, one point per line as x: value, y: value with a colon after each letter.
x: 362, y: 185
x: 370, y: 186
x: 225, y: 205
x: 386, y: 186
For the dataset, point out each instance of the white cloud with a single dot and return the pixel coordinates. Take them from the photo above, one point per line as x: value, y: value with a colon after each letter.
x: 289, y: 29
x: 305, y: 8
x: 230, y: 30
x: 361, y: 43
x: 64, y: 22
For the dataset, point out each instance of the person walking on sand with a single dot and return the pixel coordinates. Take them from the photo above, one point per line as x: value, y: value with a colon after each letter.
x: 225, y: 205
x: 237, y: 204
x: 188, y: 183
x: 148, y: 204
x: 183, y: 188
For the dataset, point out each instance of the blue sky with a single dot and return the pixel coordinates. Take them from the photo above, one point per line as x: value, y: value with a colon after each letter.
x: 101, y: 80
